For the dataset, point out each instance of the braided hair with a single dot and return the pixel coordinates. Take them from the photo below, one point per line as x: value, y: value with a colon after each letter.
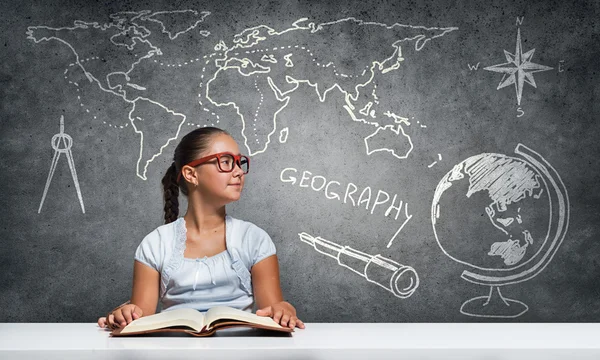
x: 190, y: 147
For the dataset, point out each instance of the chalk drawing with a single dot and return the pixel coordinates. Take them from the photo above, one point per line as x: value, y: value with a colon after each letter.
x: 283, y: 135
x: 400, y: 280
x: 518, y: 69
x: 248, y: 57
x: 330, y: 188
x: 62, y: 143
x: 514, y: 254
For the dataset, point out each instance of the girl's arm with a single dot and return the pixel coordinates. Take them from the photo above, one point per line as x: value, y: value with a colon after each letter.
x: 144, y: 298
x: 146, y: 283
x: 268, y: 296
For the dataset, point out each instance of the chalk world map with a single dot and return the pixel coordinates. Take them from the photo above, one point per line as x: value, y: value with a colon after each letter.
x: 136, y: 56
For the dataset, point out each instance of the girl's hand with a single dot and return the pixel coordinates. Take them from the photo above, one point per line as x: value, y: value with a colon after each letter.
x: 121, y: 317
x: 283, y: 313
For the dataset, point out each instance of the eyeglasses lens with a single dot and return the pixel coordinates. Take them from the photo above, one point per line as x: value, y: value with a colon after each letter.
x: 227, y: 163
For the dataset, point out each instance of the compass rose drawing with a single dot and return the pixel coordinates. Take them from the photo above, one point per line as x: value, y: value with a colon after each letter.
x: 518, y: 69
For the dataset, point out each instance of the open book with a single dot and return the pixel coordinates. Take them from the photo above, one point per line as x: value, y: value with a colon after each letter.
x: 196, y: 323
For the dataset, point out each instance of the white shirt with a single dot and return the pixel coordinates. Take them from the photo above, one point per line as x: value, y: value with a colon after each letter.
x: 201, y: 283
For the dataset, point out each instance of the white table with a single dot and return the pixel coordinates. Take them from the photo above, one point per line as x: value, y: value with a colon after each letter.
x: 317, y: 341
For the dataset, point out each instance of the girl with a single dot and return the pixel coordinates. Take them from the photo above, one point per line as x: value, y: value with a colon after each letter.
x: 205, y: 258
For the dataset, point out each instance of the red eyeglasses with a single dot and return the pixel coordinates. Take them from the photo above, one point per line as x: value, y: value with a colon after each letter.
x: 226, y: 162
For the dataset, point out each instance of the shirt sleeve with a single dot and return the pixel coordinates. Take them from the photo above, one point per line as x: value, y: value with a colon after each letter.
x: 149, y: 251
x: 261, y: 245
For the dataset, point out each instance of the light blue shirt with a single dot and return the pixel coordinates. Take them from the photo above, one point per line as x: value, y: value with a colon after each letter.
x: 202, y: 283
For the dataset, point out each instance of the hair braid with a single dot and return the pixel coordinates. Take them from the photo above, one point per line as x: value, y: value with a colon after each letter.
x: 171, y: 194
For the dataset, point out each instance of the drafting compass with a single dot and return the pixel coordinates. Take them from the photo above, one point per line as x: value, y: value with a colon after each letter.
x: 61, y: 143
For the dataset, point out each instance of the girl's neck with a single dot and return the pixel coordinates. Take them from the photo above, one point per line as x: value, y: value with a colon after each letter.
x: 203, y: 218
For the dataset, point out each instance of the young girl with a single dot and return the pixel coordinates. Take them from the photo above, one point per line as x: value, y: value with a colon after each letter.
x: 205, y: 258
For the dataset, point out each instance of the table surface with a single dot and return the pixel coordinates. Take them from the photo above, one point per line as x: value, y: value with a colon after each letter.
x: 319, y: 340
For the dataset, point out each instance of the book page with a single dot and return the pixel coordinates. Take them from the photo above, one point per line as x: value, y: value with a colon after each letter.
x: 225, y: 312
x: 178, y: 317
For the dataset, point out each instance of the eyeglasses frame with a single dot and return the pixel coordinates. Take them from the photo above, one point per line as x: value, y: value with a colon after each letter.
x: 237, y: 160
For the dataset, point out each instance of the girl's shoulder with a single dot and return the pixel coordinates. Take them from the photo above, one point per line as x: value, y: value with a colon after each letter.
x: 247, y: 235
x: 250, y: 242
x: 159, y: 244
x: 166, y: 233
x: 244, y: 228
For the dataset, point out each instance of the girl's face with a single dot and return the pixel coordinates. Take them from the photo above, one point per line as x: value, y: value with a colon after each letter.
x: 222, y: 187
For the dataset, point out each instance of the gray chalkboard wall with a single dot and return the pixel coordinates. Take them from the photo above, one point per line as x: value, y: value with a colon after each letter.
x: 412, y: 160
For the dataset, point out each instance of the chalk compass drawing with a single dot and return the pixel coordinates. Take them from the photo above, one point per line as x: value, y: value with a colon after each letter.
x: 514, y: 214
x: 62, y: 143
x: 400, y: 280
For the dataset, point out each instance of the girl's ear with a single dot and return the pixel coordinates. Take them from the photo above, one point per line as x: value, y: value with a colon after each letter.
x: 189, y: 173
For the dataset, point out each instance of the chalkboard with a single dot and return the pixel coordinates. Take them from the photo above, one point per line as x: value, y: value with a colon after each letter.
x: 429, y: 161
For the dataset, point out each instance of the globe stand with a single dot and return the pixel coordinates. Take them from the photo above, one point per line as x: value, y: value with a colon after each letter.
x: 493, y: 306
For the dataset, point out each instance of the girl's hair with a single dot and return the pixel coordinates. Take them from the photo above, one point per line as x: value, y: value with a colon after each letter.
x: 191, y: 146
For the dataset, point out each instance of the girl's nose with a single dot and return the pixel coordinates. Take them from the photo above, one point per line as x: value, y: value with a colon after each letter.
x: 237, y: 169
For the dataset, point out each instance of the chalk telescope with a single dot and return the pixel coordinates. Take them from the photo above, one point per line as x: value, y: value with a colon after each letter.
x: 400, y: 280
